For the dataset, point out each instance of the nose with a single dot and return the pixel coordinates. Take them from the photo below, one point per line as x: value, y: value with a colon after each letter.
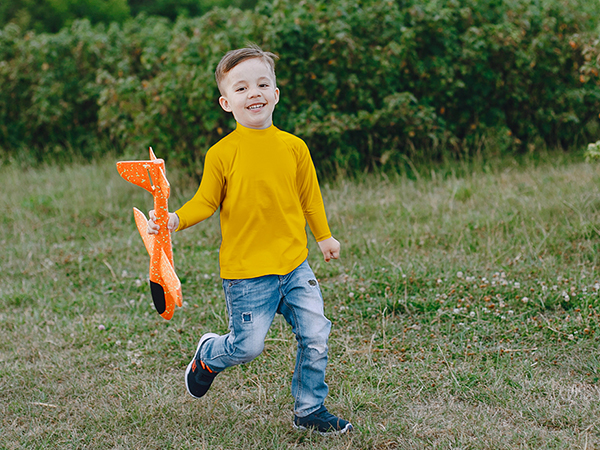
x: 253, y: 92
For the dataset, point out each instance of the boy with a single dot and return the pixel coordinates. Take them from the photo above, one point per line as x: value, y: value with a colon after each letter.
x: 266, y: 185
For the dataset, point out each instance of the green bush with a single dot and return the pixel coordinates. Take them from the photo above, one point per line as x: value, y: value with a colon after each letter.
x: 171, y: 104
x: 49, y: 95
x: 52, y: 15
x: 172, y: 9
x: 364, y: 83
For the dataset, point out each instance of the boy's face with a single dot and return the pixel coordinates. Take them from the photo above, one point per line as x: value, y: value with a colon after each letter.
x: 249, y: 92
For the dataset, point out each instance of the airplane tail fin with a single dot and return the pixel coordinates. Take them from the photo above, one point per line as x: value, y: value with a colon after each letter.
x: 166, y: 289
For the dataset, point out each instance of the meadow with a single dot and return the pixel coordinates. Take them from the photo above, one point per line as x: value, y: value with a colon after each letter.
x: 465, y: 315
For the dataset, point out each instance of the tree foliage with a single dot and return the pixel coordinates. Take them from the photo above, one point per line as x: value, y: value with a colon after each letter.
x: 52, y: 15
x: 363, y: 82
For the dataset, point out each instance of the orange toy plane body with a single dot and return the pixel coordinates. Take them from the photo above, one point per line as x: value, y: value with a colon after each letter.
x: 164, y: 283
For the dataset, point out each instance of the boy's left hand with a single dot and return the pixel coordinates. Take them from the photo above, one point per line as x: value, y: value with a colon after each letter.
x: 330, y: 248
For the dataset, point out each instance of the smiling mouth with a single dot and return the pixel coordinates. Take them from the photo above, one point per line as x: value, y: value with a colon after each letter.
x: 255, y: 107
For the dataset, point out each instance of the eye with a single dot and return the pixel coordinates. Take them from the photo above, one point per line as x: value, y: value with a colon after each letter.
x: 240, y: 89
x: 263, y: 85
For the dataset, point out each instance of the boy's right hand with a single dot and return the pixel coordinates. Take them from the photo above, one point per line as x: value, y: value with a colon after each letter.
x: 153, y: 227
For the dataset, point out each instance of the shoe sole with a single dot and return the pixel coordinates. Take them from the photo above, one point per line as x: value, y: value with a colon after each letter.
x: 203, y: 339
x: 344, y: 430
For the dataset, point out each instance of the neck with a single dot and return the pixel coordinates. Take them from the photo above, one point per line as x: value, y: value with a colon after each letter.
x: 241, y: 128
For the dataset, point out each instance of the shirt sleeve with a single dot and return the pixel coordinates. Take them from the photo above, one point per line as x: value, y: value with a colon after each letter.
x: 310, y: 195
x: 209, y: 196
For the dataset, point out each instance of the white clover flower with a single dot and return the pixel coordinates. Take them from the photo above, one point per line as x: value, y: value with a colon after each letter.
x: 524, y: 299
x: 459, y: 274
x: 517, y: 285
x: 472, y: 313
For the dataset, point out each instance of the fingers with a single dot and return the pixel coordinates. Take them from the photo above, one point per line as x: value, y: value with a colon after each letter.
x: 331, y: 254
x: 152, y: 225
x: 173, y: 221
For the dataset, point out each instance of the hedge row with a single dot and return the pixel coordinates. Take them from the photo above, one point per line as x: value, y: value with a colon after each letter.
x: 363, y: 82
x: 52, y: 15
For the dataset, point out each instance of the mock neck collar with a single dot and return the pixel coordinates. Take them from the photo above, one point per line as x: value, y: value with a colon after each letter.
x: 252, y: 132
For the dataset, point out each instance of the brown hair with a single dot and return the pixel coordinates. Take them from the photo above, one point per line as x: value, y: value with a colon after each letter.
x: 235, y: 57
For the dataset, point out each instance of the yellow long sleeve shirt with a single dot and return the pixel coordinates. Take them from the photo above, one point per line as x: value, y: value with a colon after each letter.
x: 266, y: 185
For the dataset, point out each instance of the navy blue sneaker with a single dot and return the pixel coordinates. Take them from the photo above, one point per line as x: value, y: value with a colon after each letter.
x: 198, y: 376
x: 323, y: 422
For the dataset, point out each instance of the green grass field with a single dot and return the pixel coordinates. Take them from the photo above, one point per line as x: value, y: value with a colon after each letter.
x: 465, y: 315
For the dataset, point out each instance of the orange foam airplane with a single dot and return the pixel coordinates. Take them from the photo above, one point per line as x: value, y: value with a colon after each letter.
x: 165, y: 286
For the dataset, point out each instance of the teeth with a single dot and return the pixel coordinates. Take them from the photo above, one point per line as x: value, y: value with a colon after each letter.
x: 255, y: 106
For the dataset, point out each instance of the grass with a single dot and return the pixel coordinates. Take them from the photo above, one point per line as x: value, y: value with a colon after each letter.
x: 465, y: 315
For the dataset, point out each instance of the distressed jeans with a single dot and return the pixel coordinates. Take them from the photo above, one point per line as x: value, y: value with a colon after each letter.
x: 252, y: 305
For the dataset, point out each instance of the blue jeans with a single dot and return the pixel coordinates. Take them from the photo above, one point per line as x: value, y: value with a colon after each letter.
x: 252, y: 304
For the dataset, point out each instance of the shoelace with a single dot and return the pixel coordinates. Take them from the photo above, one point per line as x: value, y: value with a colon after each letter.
x: 205, y: 374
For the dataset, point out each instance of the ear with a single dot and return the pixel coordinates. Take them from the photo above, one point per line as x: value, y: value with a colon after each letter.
x: 225, y: 104
x: 276, y: 95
